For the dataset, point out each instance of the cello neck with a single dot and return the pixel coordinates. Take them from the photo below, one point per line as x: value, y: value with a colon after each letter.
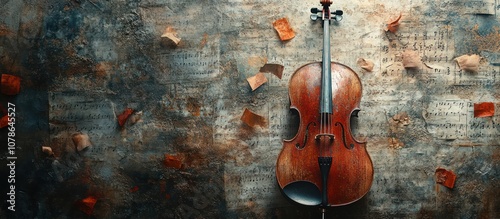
x: 326, y: 104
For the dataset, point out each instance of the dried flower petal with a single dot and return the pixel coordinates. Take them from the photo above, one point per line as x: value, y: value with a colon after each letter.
x: 47, y: 150
x: 284, y: 30
x: 252, y: 119
x: 365, y: 64
x: 81, y: 141
x: 11, y: 84
x: 172, y: 161
x: 171, y: 35
x: 445, y: 177
x: 411, y: 59
x: 469, y: 63
x: 485, y: 109
x: 122, y: 118
x: 87, y: 205
x: 275, y: 69
x: 4, y: 121
x: 393, y: 25
x: 257, y: 80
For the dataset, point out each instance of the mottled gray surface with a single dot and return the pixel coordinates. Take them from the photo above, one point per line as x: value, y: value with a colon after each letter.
x: 83, y: 62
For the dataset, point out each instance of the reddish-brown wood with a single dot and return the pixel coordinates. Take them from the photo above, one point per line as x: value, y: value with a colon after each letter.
x: 351, y: 173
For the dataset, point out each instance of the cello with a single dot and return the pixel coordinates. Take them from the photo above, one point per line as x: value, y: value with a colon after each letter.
x: 323, y: 164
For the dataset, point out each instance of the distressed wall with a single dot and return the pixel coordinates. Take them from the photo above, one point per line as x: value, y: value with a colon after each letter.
x: 184, y: 151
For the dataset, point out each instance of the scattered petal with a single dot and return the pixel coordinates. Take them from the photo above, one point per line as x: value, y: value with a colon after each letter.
x: 257, y: 80
x: 172, y: 161
x: 393, y: 25
x: 4, y: 121
x: 275, y: 69
x: 122, y: 118
x: 81, y: 141
x: 445, y: 177
x: 284, y: 30
x: 469, y: 63
x: 411, y: 59
x: 87, y: 205
x: 171, y: 35
x: 485, y: 109
x: 252, y: 119
x: 11, y: 84
x: 47, y: 150
x: 366, y: 64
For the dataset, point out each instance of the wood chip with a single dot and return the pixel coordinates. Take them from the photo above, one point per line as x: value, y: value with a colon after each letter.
x: 445, y: 177
x: 81, y: 141
x: 469, y: 63
x: 257, y: 80
x: 275, y: 69
x: 393, y: 25
x: 411, y: 59
x: 367, y: 65
x: 171, y: 35
x: 252, y: 119
x: 485, y: 109
x: 11, y: 85
x: 285, y: 32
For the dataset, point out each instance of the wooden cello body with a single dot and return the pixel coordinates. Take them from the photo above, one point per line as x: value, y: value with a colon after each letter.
x: 324, y: 165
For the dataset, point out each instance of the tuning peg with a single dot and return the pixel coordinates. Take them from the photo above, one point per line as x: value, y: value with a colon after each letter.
x: 338, y: 12
x: 338, y: 15
x: 314, y: 17
x: 315, y: 10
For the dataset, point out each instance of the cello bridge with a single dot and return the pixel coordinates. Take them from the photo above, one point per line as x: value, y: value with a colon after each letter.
x: 329, y: 136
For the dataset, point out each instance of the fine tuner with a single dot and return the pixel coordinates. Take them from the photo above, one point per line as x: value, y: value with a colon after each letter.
x: 316, y: 14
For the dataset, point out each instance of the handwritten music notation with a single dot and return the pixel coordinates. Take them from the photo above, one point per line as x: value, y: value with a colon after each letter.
x: 454, y: 119
x: 479, y: 7
x: 252, y: 185
x: 72, y: 113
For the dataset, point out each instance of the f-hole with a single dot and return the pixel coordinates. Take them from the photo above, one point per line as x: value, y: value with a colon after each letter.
x: 354, y: 124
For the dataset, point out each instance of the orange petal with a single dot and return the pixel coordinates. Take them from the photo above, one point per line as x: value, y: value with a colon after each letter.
x: 411, y: 59
x: 469, y: 62
x: 485, y: 109
x: 252, y: 119
x: 4, y: 121
x: 11, y: 84
x: 445, y: 177
x: 122, y: 118
x: 393, y: 26
x: 284, y: 30
x: 81, y: 141
x: 275, y: 69
x: 257, y: 80
x: 87, y: 205
x: 172, y: 161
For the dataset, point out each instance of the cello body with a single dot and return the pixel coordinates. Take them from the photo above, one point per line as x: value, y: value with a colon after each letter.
x: 351, y: 173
